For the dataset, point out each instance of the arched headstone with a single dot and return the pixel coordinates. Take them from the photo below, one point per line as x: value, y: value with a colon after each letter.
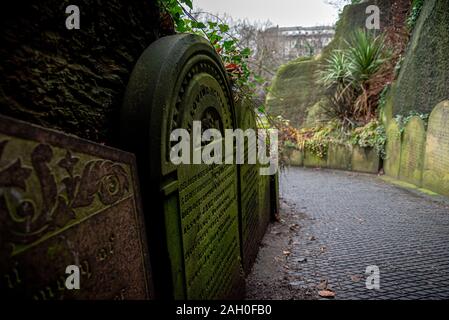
x: 393, y: 150
x: 191, y: 210
x: 412, y: 154
x: 436, y: 160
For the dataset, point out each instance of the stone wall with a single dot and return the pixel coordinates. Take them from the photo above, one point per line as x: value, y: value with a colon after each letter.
x: 113, y: 81
x: 339, y: 156
x: 295, y: 92
x: 421, y: 157
x: 424, y: 77
x: 72, y: 80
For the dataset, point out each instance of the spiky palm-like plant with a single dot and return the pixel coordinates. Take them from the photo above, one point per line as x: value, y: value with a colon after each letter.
x: 366, y: 55
x: 346, y: 74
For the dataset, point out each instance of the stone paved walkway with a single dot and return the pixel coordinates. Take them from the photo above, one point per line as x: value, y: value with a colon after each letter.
x: 351, y: 221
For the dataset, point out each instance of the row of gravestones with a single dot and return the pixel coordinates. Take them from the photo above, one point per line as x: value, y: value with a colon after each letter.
x: 133, y: 224
x: 419, y: 156
x: 339, y: 156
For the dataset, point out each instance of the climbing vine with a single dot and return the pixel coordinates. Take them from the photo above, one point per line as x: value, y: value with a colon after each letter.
x: 402, y: 120
x: 234, y: 57
x: 417, y: 6
x: 372, y: 135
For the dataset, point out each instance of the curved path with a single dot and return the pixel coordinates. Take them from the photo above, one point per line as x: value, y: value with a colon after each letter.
x: 335, y: 224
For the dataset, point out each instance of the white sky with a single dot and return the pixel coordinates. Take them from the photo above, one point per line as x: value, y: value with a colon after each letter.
x: 285, y: 13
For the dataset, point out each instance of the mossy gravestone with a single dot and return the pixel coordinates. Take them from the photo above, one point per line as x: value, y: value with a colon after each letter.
x: 412, y: 154
x: 68, y: 202
x: 339, y: 156
x: 365, y: 160
x: 252, y: 196
x: 436, y: 160
x: 191, y: 209
x: 393, y: 150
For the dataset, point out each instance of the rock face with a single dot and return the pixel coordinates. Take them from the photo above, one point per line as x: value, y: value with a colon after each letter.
x: 295, y: 89
x: 72, y: 80
x: 424, y: 78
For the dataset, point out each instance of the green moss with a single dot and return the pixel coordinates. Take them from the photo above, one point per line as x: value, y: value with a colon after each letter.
x: 407, y: 185
x: 393, y: 150
x: 424, y: 77
x: 436, y: 160
x: 412, y: 154
x: 339, y: 156
x: 296, y: 158
x: 295, y: 88
x: 313, y: 161
x: 365, y: 160
x: 316, y: 114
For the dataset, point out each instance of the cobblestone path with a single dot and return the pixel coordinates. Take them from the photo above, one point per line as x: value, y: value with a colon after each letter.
x: 336, y: 224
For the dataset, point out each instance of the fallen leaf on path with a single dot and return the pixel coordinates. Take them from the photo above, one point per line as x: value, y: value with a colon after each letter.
x: 294, y: 227
x: 356, y: 278
x: 326, y: 293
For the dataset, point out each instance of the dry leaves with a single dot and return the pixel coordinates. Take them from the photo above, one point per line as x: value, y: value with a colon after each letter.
x: 356, y: 278
x: 326, y: 293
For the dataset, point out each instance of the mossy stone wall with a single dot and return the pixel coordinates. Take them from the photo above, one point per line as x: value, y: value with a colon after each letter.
x: 72, y: 80
x: 424, y: 76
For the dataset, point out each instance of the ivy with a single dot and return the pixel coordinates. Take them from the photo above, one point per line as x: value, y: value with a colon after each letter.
x: 372, y: 135
x: 402, y: 121
x: 235, y: 59
x: 417, y: 6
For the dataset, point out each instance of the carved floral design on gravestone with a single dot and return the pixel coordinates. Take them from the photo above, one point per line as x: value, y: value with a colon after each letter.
x: 37, y: 200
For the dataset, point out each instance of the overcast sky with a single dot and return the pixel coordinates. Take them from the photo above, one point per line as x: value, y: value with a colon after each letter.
x: 285, y: 13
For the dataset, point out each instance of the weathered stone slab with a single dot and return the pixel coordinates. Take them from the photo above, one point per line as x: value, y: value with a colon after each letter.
x: 313, y: 161
x: 296, y: 158
x: 436, y: 160
x: 253, y: 194
x: 412, y: 154
x: 339, y: 156
x: 393, y: 150
x: 178, y: 80
x: 365, y: 160
x: 66, y: 201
